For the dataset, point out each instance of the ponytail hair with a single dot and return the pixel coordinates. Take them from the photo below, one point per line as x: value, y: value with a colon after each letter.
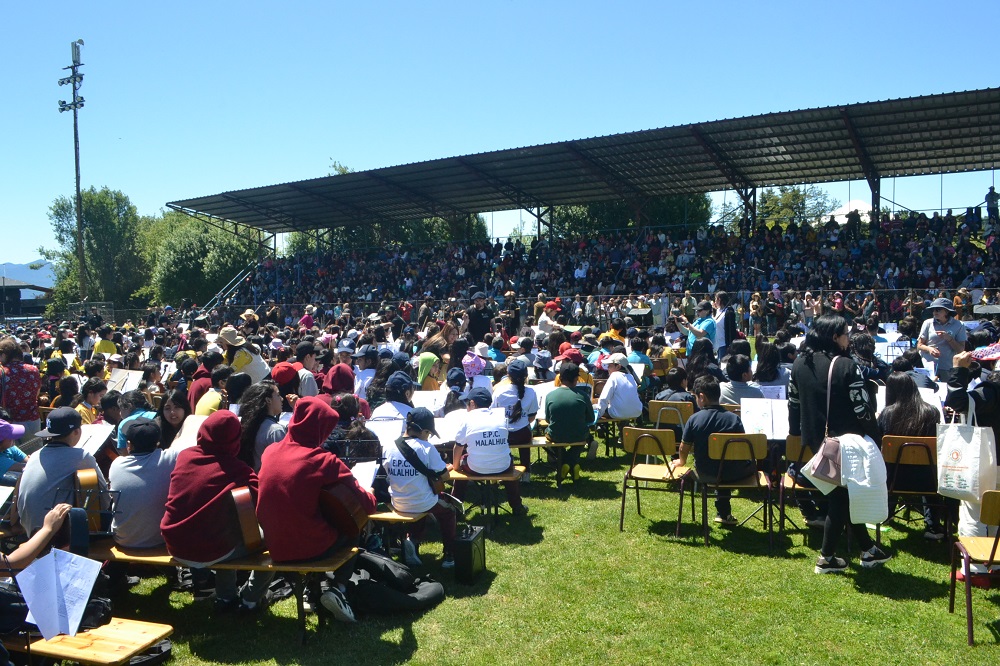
x: 517, y: 410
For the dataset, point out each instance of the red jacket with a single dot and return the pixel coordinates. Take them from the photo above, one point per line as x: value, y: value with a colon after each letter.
x: 199, y: 524
x: 201, y: 382
x: 292, y: 473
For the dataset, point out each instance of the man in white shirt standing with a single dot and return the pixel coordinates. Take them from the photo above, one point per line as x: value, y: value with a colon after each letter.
x: 366, y: 359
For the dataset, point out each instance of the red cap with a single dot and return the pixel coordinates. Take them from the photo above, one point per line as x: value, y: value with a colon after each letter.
x: 283, y: 373
x: 552, y: 305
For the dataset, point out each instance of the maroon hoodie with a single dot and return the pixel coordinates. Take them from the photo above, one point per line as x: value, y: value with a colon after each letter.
x: 292, y: 473
x: 199, y: 524
x: 201, y: 381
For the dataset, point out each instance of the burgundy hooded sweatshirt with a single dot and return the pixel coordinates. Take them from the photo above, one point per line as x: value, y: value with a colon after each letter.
x: 199, y: 524
x: 292, y: 473
x: 201, y: 381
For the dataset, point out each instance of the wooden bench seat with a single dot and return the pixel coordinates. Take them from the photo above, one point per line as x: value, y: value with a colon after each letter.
x: 114, y: 643
x: 159, y: 557
x: 514, y: 475
x: 395, y: 517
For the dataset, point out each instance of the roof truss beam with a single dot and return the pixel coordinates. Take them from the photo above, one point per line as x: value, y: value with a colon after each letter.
x: 432, y: 206
x: 622, y: 186
x: 253, y: 234
x: 274, y: 215
x: 516, y: 196
x: 362, y: 213
x: 867, y: 166
x: 740, y: 182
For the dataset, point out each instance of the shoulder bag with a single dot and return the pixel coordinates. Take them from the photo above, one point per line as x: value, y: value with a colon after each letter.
x: 825, y: 464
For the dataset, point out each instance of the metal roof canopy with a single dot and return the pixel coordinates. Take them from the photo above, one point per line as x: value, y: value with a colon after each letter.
x: 935, y: 134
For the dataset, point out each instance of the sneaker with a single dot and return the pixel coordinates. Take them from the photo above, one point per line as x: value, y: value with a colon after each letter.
x: 874, y: 557
x: 577, y: 471
x: 410, y: 554
x: 520, y: 511
x: 526, y: 477
x: 592, y: 450
x: 335, y: 601
x: 830, y: 565
x: 725, y: 520
x: 226, y: 605
x: 934, y: 534
x: 563, y: 471
x: 448, y: 562
x: 818, y: 521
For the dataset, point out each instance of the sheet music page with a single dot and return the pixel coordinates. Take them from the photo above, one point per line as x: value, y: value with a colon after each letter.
x: 773, y: 392
x: 94, y: 435
x: 56, y: 589
x: 364, y: 473
x: 432, y: 400
x: 756, y: 416
x: 779, y: 419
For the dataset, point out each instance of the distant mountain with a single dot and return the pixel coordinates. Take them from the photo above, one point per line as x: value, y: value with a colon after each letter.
x: 43, y: 277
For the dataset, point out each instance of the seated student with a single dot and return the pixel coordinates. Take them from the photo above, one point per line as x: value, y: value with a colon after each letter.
x: 907, y: 362
x: 142, y: 480
x: 676, y: 390
x: 201, y: 380
x: 637, y: 356
x: 543, y: 366
x: 293, y: 474
x: 198, y: 524
x: 520, y: 404
x: 366, y: 358
x: 411, y: 488
x: 90, y: 400
x: 10, y: 454
x: 570, y: 416
x: 133, y: 405
x: 481, y: 446
x: 739, y: 385
x: 907, y: 414
x: 524, y: 352
x: 712, y: 418
x: 48, y: 476
x: 215, y: 397
x: 620, y: 396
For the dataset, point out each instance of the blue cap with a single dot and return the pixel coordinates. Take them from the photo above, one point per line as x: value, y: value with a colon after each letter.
x: 481, y: 396
x: 400, y: 382
x: 517, y: 368
x: 401, y: 360
x: 456, y: 377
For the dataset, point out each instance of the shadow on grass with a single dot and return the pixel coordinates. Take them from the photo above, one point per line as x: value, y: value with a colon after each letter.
x: 898, y: 585
x: 516, y: 531
x: 588, y: 488
x: 744, y: 540
x: 480, y: 588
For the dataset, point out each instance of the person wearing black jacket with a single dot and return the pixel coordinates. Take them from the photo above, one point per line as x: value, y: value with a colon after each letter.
x: 850, y: 411
x: 725, y: 324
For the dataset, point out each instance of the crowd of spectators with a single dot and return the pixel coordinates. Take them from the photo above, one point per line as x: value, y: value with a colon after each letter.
x: 911, y: 260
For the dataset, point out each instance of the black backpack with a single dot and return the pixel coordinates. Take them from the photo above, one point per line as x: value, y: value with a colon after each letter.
x: 382, y: 586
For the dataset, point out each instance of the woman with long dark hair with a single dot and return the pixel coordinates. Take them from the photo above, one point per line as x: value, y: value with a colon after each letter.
x: 849, y: 412
x: 174, y: 408
x: 769, y: 371
x: 521, y: 404
x: 259, y: 427
x: 701, y: 361
x: 907, y: 414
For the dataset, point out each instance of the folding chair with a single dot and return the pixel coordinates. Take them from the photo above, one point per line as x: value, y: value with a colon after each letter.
x: 795, y: 452
x: 657, y: 443
x: 668, y: 412
x: 977, y: 550
x: 735, y: 409
x: 898, y: 450
x: 733, y: 447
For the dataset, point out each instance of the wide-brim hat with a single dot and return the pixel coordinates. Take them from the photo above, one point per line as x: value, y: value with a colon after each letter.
x: 231, y: 336
x: 248, y: 315
x: 944, y: 303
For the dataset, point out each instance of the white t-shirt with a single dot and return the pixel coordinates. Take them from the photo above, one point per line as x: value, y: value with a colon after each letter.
x: 484, y: 434
x: 410, y: 490
x: 507, y: 398
x: 362, y: 378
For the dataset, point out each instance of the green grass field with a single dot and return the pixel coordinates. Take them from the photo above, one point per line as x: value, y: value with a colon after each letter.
x: 564, y: 586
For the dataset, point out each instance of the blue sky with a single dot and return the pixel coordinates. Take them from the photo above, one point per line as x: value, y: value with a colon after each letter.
x: 186, y: 99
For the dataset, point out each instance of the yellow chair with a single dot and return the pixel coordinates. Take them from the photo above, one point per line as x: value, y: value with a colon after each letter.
x: 977, y: 550
x: 727, y: 447
x: 735, y: 409
x: 795, y: 452
x: 898, y: 450
x: 658, y: 443
x: 667, y: 412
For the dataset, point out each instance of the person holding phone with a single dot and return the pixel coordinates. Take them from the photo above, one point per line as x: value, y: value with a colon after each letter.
x: 941, y: 337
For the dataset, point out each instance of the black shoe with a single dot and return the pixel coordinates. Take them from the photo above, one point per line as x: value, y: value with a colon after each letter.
x: 830, y: 565
x: 520, y: 511
x: 874, y: 557
x: 222, y: 606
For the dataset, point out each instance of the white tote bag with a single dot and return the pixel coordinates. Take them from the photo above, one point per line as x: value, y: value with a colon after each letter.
x: 966, y: 459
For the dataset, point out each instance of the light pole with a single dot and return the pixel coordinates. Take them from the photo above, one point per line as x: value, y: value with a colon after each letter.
x: 75, y: 79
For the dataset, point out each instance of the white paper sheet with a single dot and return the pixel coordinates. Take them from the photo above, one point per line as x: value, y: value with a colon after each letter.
x: 765, y: 415
x: 387, y: 431
x: 432, y: 400
x: 188, y: 434
x: 93, y: 436
x: 364, y: 472
x: 56, y: 588
x: 124, y: 380
x: 774, y: 392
